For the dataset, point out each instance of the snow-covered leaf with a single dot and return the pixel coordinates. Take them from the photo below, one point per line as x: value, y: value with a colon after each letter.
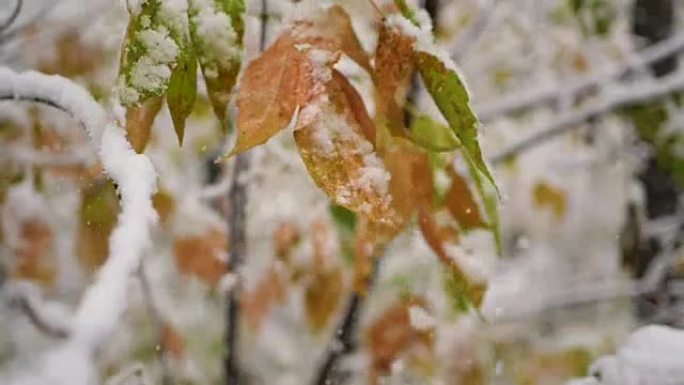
x: 217, y: 29
x: 340, y: 160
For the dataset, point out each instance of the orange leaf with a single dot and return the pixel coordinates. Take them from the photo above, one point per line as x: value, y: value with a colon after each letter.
x: 338, y: 157
x: 33, y: 258
x: 139, y: 120
x: 461, y: 203
x: 200, y: 256
x: 172, y: 341
x: 270, y: 89
x: 269, y: 292
x: 391, y: 335
x: 323, y: 296
x: 285, y: 237
x: 394, y: 66
x: 332, y: 31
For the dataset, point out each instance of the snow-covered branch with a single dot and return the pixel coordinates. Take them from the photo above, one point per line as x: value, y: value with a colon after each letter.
x: 104, y: 302
x: 617, y: 97
x: 554, y: 92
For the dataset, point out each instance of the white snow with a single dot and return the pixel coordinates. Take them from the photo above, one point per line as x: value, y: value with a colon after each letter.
x: 420, y: 319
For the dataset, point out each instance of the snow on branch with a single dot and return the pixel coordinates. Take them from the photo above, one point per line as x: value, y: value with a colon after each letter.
x: 620, y: 96
x: 550, y: 93
x: 104, y: 301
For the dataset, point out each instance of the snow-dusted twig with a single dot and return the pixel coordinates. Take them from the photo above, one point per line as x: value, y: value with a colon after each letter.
x: 552, y: 93
x: 105, y: 300
x: 18, y: 4
x: 621, y: 96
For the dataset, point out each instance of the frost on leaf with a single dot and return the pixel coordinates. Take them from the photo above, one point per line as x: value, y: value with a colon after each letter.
x: 290, y: 73
x: 339, y: 159
x: 157, y: 57
x: 217, y: 29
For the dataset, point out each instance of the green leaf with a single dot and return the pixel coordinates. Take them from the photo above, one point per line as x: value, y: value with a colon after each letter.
x: 218, y: 45
x: 408, y: 13
x: 489, y: 200
x: 451, y: 97
x: 182, y: 92
x: 433, y: 136
x: 461, y: 293
x: 148, y: 56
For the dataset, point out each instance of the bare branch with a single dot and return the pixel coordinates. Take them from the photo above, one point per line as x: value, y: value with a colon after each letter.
x: 32, y: 310
x: 516, y: 102
x: 622, y: 96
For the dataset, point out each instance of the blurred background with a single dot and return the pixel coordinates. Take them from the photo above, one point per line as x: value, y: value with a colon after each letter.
x: 582, y: 117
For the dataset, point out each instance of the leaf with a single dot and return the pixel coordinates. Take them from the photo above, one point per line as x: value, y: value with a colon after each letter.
x: 139, y: 121
x: 451, y: 97
x: 461, y: 203
x: 431, y: 135
x: 332, y: 31
x: 148, y: 56
x: 33, y: 259
x: 339, y: 159
x: 322, y: 296
x: 490, y: 201
x: 182, y: 92
x: 201, y: 256
x: 98, y: 215
x: 411, y: 185
x: 164, y: 204
x: 345, y: 222
x: 217, y: 29
x: 547, y: 196
x: 407, y: 12
x: 394, y: 67
x: 258, y: 302
x: 390, y: 336
x: 270, y: 92
x: 460, y: 288
x: 172, y: 341
x: 285, y: 237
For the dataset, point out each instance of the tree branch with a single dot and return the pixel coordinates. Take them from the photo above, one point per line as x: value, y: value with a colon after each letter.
x: 237, y: 222
x: 620, y: 97
x: 515, y: 101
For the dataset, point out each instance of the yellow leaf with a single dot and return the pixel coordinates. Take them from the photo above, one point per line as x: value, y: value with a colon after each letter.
x: 553, y: 198
x: 97, y: 218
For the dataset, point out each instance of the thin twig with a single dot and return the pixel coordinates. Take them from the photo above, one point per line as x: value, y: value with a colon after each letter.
x: 517, y: 102
x: 627, y: 96
x: 344, y: 341
x: 237, y: 221
x: 18, y: 4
